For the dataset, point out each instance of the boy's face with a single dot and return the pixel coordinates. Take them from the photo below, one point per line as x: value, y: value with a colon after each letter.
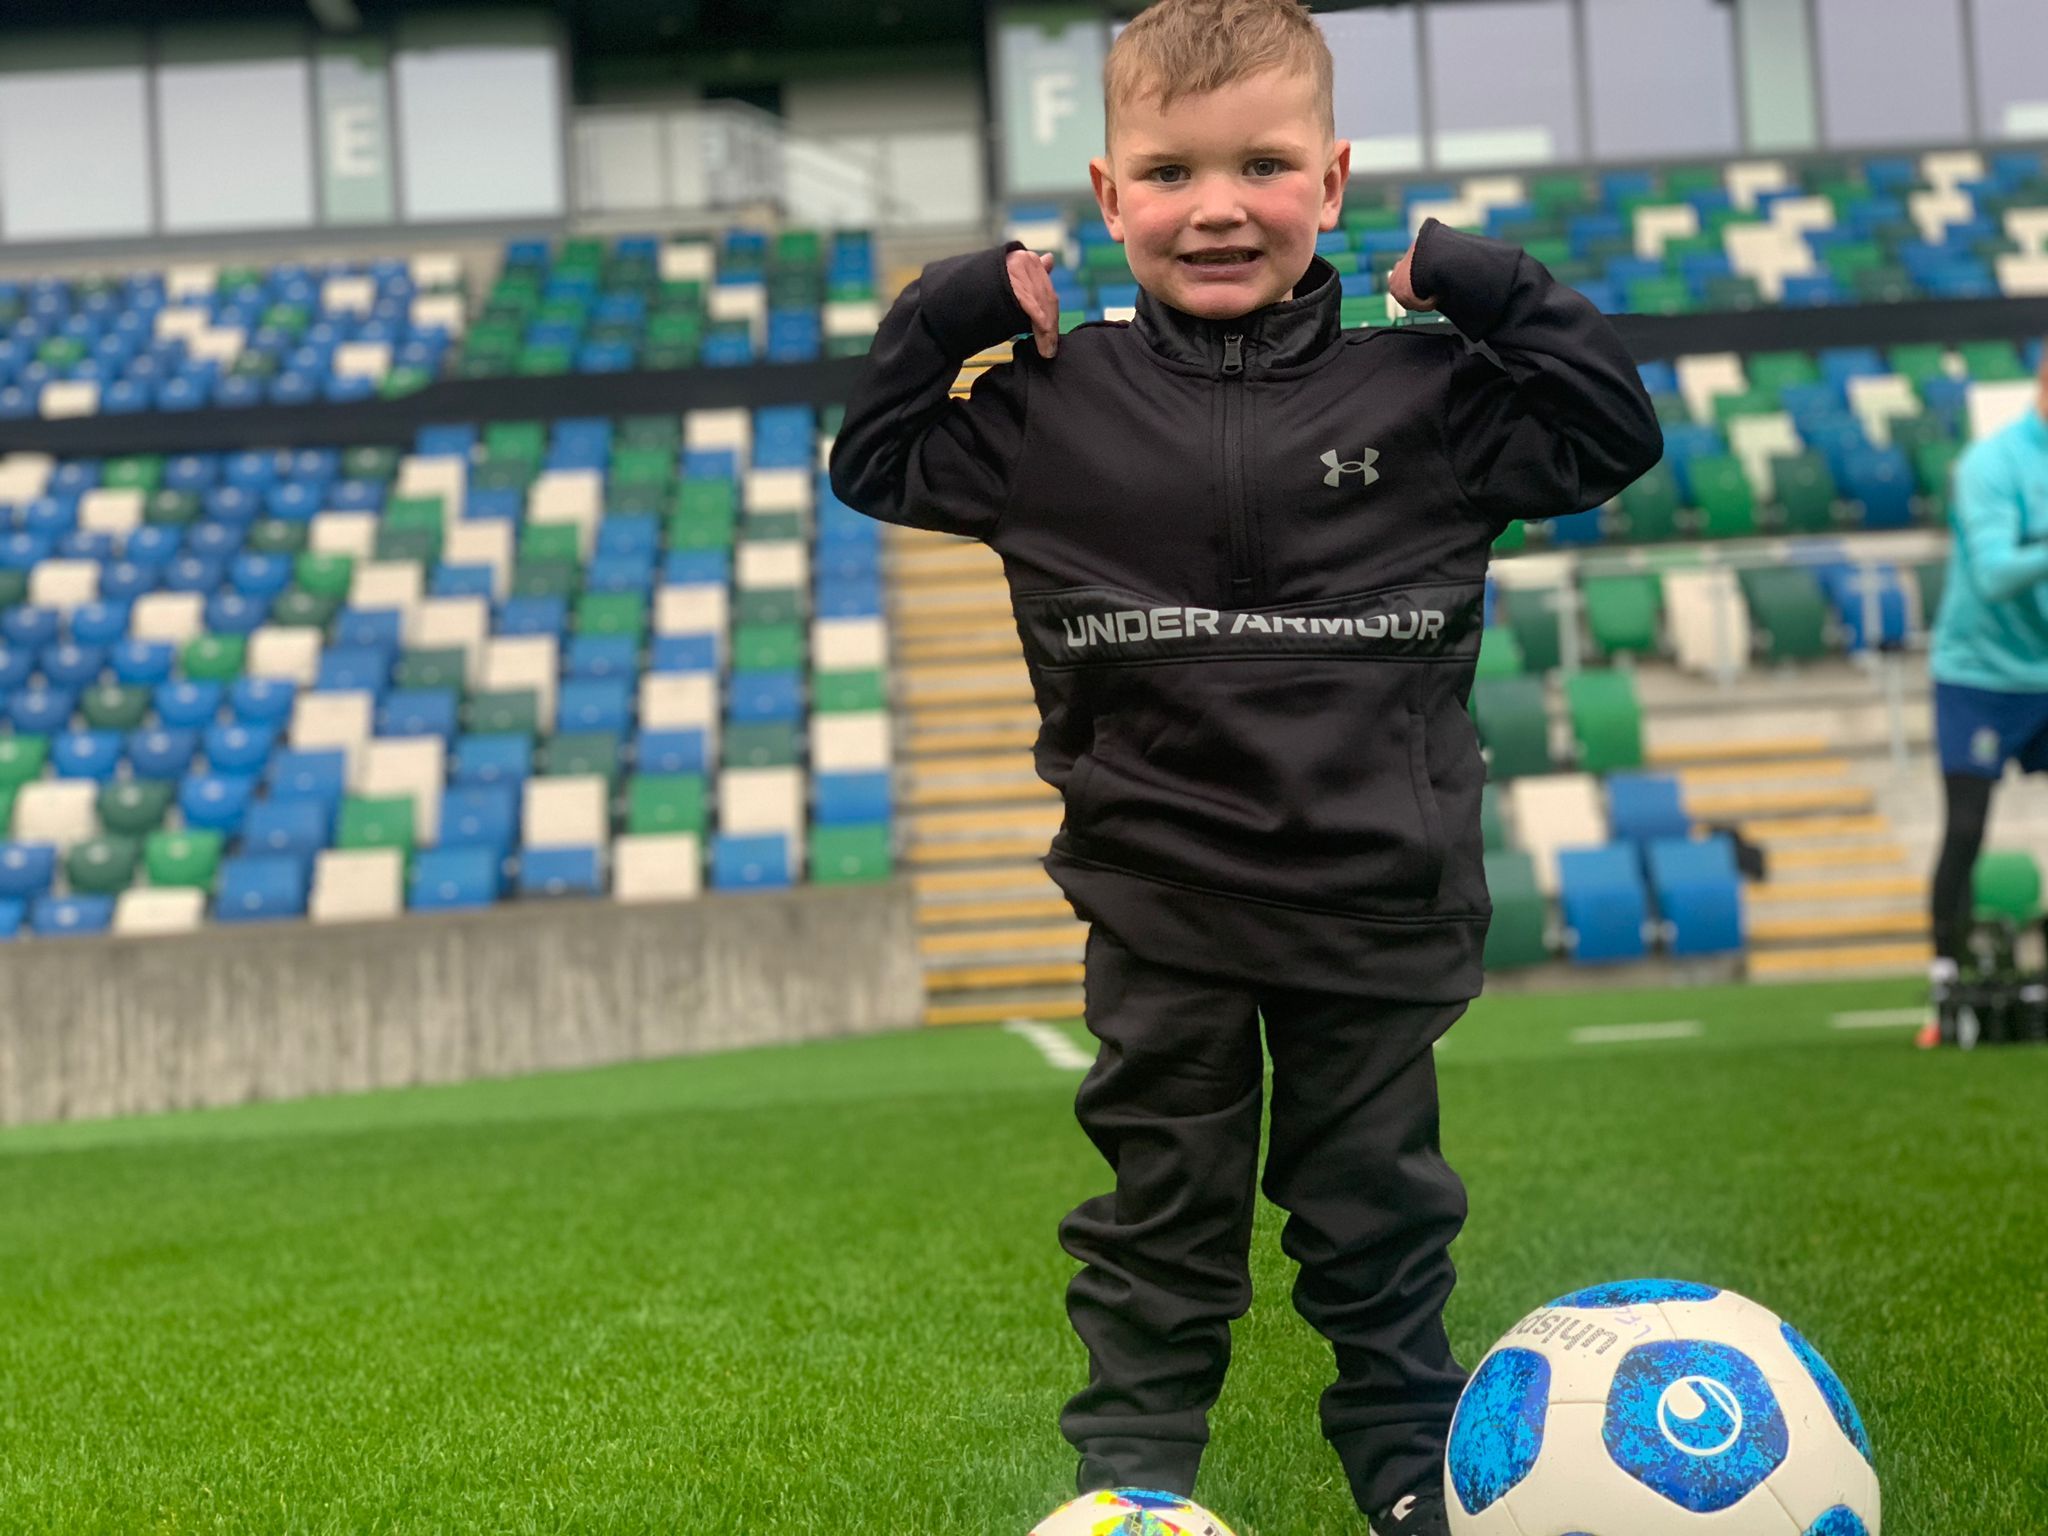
x: 1244, y: 167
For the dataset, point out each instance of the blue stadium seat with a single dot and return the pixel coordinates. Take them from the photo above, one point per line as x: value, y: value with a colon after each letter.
x: 295, y: 828
x: 462, y: 581
x: 100, y: 623
x: 751, y: 863
x: 450, y: 879
x: 600, y: 657
x: 1882, y: 479
x: 12, y: 915
x: 1643, y: 806
x: 216, y: 802
x: 55, y: 917
x: 354, y: 669
x: 1699, y: 894
x: 533, y: 616
x: 379, y: 629
x: 671, y: 752
x: 846, y: 799
x: 27, y: 870
x: 595, y: 704
x: 683, y: 653
x: 94, y: 755
x: 697, y: 568
x: 481, y: 816
x: 1604, y: 904
x: 262, y: 700
x: 492, y: 760
x: 1858, y: 595
x: 559, y: 872
x: 419, y: 712
x: 261, y: 888
x: 65, y: 665
x: 184, y: 704
x: 314, y: 773
x: 160, y: 754
x: 763, y: 697
x: 40, y: 711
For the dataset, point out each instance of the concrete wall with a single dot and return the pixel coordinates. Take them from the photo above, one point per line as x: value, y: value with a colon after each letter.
x: 104, y: 1026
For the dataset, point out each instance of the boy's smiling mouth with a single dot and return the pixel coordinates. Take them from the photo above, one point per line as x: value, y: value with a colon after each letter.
x: 1221, y: 260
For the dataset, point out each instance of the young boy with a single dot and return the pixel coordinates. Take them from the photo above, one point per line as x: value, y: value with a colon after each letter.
x: 1247, y: 556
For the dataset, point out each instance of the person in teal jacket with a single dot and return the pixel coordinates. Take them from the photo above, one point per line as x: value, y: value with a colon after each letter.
x: 1990, y: 668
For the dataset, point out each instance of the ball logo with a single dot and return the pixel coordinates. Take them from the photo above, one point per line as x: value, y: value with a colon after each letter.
x: 1700, y: 1416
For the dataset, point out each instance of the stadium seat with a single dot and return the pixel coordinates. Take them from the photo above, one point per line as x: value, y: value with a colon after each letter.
x: 1607, y: 722
x: 1623, y: 613
x: 665, y: 866
x: 1514, y: 725
x: 1698, y: 894
x: 455, y: 878
x: 1518, y: 934
x: 260, y: 889
x: 1603, y: 902
x: 1645, y: 807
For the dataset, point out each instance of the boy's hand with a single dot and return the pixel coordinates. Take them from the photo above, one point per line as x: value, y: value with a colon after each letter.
x: 1031, y: 282
x: 1401, y: 283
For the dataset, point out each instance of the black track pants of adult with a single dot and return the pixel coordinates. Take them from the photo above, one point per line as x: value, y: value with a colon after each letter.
x: 1173, y: 1103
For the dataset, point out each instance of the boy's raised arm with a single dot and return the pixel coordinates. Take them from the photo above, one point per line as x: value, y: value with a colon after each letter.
x: 906, y: 452
x: 1557, y: 419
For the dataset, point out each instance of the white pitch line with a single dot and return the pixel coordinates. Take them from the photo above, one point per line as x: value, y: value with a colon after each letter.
x: 1609, y: 1034
x: 1056, y: 1046
x: 1878, y: 1018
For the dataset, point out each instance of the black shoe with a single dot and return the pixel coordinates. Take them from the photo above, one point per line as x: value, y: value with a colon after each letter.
x: 1421, y: 1513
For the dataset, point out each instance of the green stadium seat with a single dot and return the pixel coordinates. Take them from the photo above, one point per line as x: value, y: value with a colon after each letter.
x: 1727, y: 503
x: 1532, y: 614
x: 1517, y: 934
x: 1992, y: 362
x: 835, y: 693
x: 1607, y: 722
x: 111, y: 707
x: 579, y: 754
x: 1650, y: 506
x: 1931, y: 576
x: 1493, y: 830
x: 1806, y: 491
x: 509, y: 712
x: 189, y: 858
x: 550, y: 544
x: 855, y: 855
x: 1775, y: 371
x: 611, y: 613
x: 375, y: 821
x: 22, y: 759
x: 1500, y: 654
x: 1787, y: 607
x: 2007, y: 883
x: 300, y: 609
x: 102, y: 866
x: 429, y: 670
x: 524, y: 440
x: 1934, y: 468
x: 324, y: 575
x: 272, y: 537
x: 767, y: 605
x: 1624, y: 613
x: 546, y: 578
x: 134, y: 808
x: 1514, y: 725
x: 13, y: 588
x: 770, y: 744
x: 657, y: 803
x: 215, y: 658
x: 1919, y: 361
x: 767, y: 648
x: 420, y: 545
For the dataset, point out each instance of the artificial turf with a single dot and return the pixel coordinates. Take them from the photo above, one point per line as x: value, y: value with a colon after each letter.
x: 816, y: 1289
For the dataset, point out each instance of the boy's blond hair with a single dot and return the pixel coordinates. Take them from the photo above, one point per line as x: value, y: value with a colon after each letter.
x: 1189, y: 47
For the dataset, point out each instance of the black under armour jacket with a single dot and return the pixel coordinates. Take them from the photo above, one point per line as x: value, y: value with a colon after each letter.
x: 1247, y: 560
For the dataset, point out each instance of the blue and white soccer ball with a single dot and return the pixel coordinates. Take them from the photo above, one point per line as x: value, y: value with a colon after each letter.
x: 1131, y: 1512
x: 1657, y: 1408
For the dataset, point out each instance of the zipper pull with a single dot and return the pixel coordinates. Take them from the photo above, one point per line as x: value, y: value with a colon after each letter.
x: 1233, y: 355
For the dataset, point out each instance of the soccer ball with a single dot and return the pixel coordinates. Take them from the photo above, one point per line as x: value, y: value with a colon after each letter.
x: 1131, y: 1512
x: 1657, y: 1408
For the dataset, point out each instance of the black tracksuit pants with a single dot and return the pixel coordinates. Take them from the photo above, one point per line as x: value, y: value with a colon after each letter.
x: 1173, y: 1103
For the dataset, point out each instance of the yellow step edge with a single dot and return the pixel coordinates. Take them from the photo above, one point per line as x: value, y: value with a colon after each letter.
x: 927, y: 714
x: 1868, y: 888
x: 986, y: 978
x: 977, y: 597
x: 946, y: 882
x: 963, y: 823
x: 1750, y: 773
x: 1011, y: 693
x: 924, y: 675
x: 1837, y: 925
x: 1022, y: 909
x: 985, y: 762
x: 935, y: 746
x: 1780, y: 802
x: 896, y: 536
x: 1060, y: 938
x: 1001, y: 646
x: 1792, y: 829
x: 940, y: 585
x: 1850, y: 957
x: 1674, y: 754
x: 924, y: 795
x: 1851, y: 856
x: 976, y: 851
x: 1067, y: 1005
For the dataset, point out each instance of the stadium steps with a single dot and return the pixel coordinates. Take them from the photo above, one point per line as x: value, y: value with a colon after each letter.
x: 997, y: 940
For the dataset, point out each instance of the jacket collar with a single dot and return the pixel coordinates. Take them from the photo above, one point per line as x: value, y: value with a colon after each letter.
x: 1280, y: 335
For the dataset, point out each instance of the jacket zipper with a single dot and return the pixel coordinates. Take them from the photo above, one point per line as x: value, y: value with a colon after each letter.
x: 1241, y: 584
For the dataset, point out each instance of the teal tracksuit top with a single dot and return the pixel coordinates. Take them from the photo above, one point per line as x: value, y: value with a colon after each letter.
x: 1992, y: 631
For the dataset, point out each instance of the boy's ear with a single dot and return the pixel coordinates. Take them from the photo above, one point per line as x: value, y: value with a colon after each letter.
x: 1106, y: 197
x: 1334, y: 179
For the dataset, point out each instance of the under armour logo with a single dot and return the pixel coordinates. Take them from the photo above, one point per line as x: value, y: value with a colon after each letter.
x: 1361, y: 466
x: 1402, y: 1510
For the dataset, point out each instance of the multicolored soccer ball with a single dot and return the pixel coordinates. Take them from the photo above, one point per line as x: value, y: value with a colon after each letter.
x: 1657, y: 1408
x: 1131, y: 1512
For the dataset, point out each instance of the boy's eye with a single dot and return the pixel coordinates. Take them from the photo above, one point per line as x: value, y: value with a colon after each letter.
x: 1273, y: 167
x: 1265, y: 165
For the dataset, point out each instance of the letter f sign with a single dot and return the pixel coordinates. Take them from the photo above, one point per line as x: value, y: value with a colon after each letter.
x: 1362, y: 466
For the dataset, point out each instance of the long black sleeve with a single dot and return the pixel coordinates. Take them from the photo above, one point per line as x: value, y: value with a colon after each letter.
x: 906, y: 452
x: 1556, y: 420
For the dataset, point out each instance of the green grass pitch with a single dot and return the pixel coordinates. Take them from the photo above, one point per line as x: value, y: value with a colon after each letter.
x: 817, y: 1290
